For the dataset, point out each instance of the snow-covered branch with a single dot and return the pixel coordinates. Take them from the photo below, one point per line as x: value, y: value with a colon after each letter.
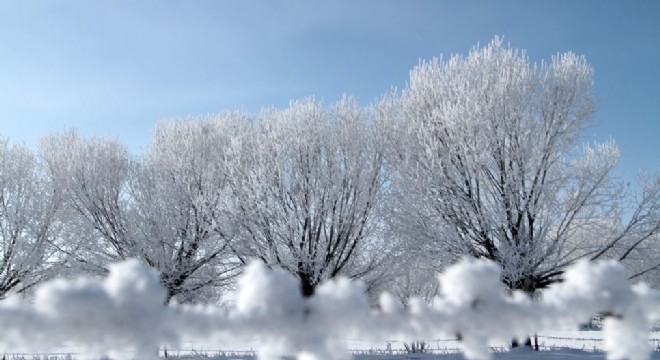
x: 126, y: 310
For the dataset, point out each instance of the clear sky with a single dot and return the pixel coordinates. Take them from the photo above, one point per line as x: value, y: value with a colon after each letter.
x: 114, y: 68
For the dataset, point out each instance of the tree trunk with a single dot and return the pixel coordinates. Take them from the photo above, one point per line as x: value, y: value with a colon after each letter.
x: 307, y: 287
x: 528, y: 286
x: 527, y: 343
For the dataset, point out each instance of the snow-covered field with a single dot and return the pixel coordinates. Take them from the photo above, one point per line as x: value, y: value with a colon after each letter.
x: 372, y: 354
x: 589, y: 341
x: 557, y: 345
x: 517, y: 354
x: 548, y: 341
x: 553, y: 345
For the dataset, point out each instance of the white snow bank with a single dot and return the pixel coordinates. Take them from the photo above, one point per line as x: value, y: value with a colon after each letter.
x: 126, y: 311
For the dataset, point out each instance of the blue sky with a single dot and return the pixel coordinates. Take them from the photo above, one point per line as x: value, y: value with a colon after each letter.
x: 114, y: 68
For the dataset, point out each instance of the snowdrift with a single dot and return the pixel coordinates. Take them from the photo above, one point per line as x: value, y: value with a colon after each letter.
x: 126, y: 311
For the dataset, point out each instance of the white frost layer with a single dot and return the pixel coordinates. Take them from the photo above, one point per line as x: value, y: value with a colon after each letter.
x: 126, y: 311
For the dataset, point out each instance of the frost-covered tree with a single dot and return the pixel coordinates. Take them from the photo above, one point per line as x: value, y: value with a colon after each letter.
x: 181, y: 205
x: 166, y: 210
x: 636, y: 242
x: 29, y: 229
x: 308, y: 183
x: 93, y: 176
x: 488, y: 163
x: 417, y: 280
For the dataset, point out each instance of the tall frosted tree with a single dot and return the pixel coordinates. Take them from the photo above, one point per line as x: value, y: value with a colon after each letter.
x: 308, y: 186
x: 29, y: 229
x: 488, y: 163
x: 182, y: 205
x: 166, y: 209
x: 92, y: 175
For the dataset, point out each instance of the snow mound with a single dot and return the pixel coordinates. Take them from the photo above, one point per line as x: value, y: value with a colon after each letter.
x: 126, y: 311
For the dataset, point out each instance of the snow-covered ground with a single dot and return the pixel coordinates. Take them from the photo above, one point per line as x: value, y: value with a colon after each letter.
x: 589, y: 341
x: 515, y: 354
x: 557, y: 345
